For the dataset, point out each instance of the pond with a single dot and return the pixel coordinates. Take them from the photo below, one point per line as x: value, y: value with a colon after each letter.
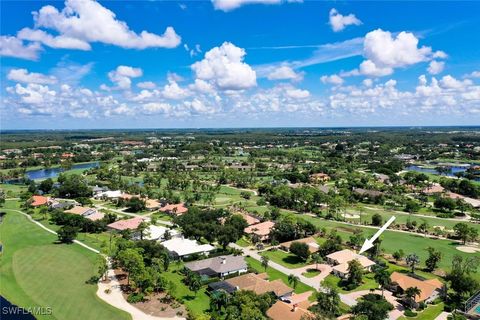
x: 10, y: 311
x: 451, y: 173
x: 54, y: 172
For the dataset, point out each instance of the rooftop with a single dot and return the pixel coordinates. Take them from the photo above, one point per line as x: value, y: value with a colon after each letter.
x: 220, y: 264
x: 259, y: 285
x: 183, y: 247
x: 128, y: 224
x: 427, y: 287
x: 262, y: 229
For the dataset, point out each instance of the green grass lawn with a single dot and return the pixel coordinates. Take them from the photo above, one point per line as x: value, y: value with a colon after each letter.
x: 286, y: 259
x: 12, y: 190
x: 275, y: 274
x: 310, y: 273
x: 36, y: 272
x: 429, y: 313
x: 242, y: 242
x: 196, y: 304
x: 334, y: 282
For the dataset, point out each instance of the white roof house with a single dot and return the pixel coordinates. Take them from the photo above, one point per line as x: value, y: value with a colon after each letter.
x: 109, y: 194
x: 181, y: 247
x: 157, y: 233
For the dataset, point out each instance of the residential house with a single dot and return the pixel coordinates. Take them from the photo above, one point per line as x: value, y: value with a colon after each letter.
x: 177, y: 209
x: 86, y: 212
x: 158, y: 233
x: 37, y: 201
x: 473, y: 202
x: 295, y: 308
x: 127, y: 224
x: 257, y: 283
x: 310, y: 241
x: 262, y: 230
x: 249, y: 218
x: 368, y: 193
x: 340, y: 259
x: 429, y: 289
x: 319, y: 177
x: 433, y: 189
x: 220, y: 266
x: 110, y: 195
x: 152, y: 204
x: 181, y: 247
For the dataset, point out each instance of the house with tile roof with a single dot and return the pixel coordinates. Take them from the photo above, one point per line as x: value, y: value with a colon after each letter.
x: 86, y: 212
x: 281, y: 310
x: 310, y: 241
x: 220, y: 266
x: 340, y: 259
x: 127, y: 224
x: 262, y: 230
x: 176, y: 209
x: 257, y: 283
x: 37, y: 201
x: 429, y: 289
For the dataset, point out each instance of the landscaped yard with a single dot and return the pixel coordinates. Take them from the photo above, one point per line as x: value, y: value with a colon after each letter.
x: 334, y: 282
x: 429, y: 313
x: 36, y: 272
x: 275, y: 274
x: 197, y: 304
x: 286, y: 259
x: 310, y: 273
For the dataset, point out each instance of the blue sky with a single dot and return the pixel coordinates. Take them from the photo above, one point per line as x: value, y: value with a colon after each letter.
x: 238, y: 63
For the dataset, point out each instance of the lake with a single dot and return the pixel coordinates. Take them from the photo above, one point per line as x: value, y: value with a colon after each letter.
x: 54, y: 172
x: 451, y: 173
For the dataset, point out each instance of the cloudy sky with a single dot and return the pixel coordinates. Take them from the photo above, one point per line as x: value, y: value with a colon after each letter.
x: 238, y: 63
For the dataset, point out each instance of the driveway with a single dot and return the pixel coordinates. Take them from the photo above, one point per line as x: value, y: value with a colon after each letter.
x: 324, y: 269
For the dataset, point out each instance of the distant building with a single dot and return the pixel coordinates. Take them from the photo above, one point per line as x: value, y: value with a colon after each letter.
x: 176, y: 209
x: 319, y: 177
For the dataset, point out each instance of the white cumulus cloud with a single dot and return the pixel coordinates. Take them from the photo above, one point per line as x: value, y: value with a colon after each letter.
x: 88, y: 21
x: 338, y: 22
x: 436, y: 67
x: 122, y: 76
x: 22, y: 75
x: 284, y: 73
x: 224, y: 67
x: 14, y: 47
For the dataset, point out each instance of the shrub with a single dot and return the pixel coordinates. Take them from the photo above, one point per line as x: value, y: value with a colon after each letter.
x: 135, y: 297
x: 410, y: 313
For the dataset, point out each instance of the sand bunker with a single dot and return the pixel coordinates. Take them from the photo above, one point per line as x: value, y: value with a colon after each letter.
x: 468, y: 249
x: 350, y: 216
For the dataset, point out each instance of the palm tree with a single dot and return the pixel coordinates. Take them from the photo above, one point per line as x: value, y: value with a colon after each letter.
x: 382, y: 276
x: 317, y: 259
x: 412, y: 260
x: 411, y: 293
x: 293, y: 280
x: 265, y: 261
x: 218, y: 300
x: 195, y: 284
